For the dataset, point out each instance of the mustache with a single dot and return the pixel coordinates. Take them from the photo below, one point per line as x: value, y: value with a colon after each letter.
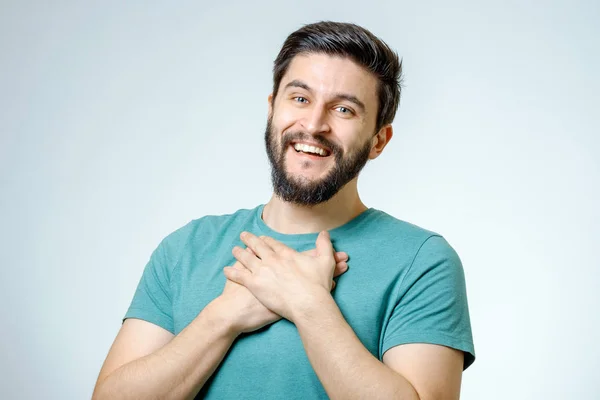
x: 303, y: 136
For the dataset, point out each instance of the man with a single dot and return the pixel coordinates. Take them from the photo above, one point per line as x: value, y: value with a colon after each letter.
x: 312, y: 295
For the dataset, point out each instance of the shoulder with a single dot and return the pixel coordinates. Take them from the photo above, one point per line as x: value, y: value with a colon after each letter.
x: 205, y: 230
x: 400, y: 232
x: 415, y: 246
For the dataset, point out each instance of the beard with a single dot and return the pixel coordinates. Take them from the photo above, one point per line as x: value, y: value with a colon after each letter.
x: 300, y: 190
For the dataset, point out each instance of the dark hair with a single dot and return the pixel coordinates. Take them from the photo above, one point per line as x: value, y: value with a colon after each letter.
x: 354, y: 42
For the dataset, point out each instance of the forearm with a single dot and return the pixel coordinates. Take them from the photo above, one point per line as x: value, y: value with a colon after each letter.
x: 346, y: 369
x: 179, y: 369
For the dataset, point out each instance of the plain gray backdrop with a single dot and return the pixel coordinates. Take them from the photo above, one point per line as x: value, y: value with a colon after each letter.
x: 122, y: 121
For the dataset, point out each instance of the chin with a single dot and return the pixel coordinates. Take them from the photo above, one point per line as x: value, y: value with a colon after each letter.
x: 303, y: 179
x: 310, y: 175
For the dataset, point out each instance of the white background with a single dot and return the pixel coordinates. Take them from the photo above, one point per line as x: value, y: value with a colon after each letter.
x: 122, y: 121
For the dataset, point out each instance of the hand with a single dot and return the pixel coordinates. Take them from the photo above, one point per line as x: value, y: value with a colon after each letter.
x: 247, y: 314
x: 281, y: 278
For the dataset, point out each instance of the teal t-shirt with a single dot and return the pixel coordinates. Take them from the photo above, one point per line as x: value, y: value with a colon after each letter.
x: 404, y: 284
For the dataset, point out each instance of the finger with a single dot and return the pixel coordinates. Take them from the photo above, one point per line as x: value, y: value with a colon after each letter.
x: 324, y: 246
x: 332, y: 285
x: 241, y: 276
x: 246, y: 258
x: 340, y: 268
x: 258, y: 246
x: 249, y: 250
x: 340, y: 256
x: 238, y: 265
x: 277, y: 246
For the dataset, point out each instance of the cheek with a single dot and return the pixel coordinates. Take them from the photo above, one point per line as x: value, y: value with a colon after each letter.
x: 350, y: 139
x: 284, y: 119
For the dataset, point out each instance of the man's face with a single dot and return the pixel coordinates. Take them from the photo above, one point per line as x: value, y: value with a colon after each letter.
x: 320, y: 127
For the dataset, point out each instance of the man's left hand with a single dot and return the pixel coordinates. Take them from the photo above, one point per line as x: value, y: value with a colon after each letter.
x: 282, y: 279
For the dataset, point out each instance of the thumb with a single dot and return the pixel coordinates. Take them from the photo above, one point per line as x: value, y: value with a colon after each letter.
x: 324, y: 246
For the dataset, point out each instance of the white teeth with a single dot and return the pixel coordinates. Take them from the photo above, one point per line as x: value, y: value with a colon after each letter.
x: 309, y: 149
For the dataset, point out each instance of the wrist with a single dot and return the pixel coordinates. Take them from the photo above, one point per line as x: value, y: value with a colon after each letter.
x: 218, y: 315
x: 310, y: 305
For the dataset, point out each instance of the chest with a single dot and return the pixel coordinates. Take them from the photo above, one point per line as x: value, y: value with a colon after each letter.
x: 363, y: 295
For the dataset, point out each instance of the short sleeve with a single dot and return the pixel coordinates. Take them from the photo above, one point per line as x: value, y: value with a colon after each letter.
x: 152, y: 300
x: 431, y: 305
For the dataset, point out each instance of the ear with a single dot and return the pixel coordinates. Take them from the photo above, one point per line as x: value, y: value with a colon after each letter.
x: 270, y: 100
x: 380, y: 140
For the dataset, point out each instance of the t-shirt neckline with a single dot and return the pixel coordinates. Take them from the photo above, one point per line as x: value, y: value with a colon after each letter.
x: 341, y: 230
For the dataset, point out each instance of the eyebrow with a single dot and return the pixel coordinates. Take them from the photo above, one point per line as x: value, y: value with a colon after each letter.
x: 343, y: 96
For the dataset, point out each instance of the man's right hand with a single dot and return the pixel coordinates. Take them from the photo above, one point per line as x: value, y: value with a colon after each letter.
x: 245, y: 312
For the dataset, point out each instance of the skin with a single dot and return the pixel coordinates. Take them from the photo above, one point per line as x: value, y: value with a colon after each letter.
x: 319, y: 111
x: 147, y: 361
x: 295, y: 285
x: 270, y: 281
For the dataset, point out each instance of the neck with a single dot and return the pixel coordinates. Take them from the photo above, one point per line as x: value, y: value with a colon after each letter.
x: 288, y: 218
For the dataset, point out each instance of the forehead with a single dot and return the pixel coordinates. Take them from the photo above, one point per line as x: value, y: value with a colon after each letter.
x: 328, y: 75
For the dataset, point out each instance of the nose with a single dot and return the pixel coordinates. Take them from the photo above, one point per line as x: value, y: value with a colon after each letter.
x: 314, y: 121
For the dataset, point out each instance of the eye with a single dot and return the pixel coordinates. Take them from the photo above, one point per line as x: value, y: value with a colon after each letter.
x: 300, y: 99
x: 344, y: 110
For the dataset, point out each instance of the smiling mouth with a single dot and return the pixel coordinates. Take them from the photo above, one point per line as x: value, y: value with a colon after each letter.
x: 311, y: 150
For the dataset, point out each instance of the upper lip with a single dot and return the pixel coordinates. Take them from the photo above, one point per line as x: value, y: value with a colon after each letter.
x: 312, y: 144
